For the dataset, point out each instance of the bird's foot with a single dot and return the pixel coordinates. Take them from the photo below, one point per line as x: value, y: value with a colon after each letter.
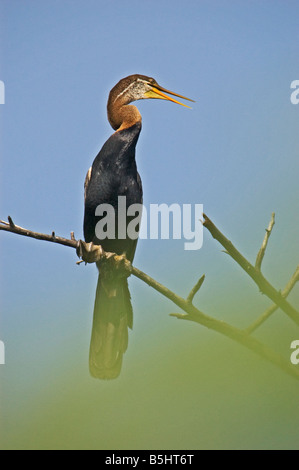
x: 107, y: 262
x: 89, y: 252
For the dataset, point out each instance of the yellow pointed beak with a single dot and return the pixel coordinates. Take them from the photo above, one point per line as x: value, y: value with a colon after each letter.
x: 157, y: 93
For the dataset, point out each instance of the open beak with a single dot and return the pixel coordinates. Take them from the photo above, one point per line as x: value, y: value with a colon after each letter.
x: 159, y: 93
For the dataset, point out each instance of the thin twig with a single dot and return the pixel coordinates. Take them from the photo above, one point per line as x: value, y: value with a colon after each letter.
x: 11, y: 222
x: 264, y: 286
x: 269, y: 311
x: 195, y: 289
x: 262, y: 251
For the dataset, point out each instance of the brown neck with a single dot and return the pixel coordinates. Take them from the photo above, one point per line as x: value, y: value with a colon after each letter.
x: 122, y: 116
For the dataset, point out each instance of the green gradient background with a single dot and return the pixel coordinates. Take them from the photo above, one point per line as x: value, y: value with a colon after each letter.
x: 182, y: 387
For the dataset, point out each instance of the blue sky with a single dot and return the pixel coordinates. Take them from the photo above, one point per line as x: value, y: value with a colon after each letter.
x: 235, y: 152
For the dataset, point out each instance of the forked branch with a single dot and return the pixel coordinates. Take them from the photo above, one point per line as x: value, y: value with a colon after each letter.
x: 273, y: 308
x: 264, y: 286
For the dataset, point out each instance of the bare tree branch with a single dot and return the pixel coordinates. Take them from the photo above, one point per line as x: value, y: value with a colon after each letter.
x: 11, y: 227
x: 93, y: 253
x: 261, y: 253
x: 242, y: 338
x: 264, y: 286
x: 195, y: 315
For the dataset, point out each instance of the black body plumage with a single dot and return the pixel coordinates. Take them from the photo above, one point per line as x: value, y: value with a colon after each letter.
x: 113, y: 174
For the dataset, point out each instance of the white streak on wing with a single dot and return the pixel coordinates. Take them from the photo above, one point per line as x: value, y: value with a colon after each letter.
x: 87, y: 180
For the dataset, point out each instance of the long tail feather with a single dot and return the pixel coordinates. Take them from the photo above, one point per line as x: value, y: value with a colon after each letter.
x: 113, y: 315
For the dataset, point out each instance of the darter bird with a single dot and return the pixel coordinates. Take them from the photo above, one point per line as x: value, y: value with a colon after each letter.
x: 114, y: 174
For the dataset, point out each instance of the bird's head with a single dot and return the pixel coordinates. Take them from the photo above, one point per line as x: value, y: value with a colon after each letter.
x: 140, y: 87
x: 133, y: 88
